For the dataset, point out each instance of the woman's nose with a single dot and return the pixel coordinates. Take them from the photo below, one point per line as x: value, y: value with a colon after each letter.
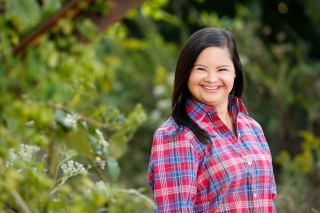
x: 212, y: 77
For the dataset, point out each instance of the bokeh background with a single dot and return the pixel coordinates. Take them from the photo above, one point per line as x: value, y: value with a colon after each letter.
x: 91, y: 80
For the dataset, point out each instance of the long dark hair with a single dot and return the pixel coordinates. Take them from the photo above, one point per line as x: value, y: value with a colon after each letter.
x: 207, y: 37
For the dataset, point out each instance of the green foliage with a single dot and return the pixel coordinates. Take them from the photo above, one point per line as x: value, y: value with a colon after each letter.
x: 60, y: 133
x: 23, y: 14
x: 300, y: 174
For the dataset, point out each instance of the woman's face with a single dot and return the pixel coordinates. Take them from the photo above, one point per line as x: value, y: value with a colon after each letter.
x: 212, y: 76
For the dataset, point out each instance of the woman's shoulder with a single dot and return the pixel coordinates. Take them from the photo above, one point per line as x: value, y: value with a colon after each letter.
x: 169, y: 127
x: 169, y: 138
x: 249, y: 122
x: 169, y: 131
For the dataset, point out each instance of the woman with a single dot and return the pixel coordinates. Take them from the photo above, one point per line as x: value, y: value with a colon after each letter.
x: 210, y: 156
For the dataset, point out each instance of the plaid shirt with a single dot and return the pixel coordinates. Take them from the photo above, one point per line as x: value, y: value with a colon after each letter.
x: 232, y: 174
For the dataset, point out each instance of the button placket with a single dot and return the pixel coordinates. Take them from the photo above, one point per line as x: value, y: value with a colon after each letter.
x: 254, y: 186
x: 247, y: 159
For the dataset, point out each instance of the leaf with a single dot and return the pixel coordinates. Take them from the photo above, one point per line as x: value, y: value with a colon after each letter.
x: 60, y: 115
x: 79, y: 141
x: 51, y: 5
x: 75, y: 101
x: 117, y: 145
x: 90, y: 87
x: 87, y: 28
x: 53, y: 59
x: 24, y: 12
x: 113, y: 169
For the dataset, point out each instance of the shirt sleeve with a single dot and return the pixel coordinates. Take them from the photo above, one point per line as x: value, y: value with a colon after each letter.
x: 172, y: 173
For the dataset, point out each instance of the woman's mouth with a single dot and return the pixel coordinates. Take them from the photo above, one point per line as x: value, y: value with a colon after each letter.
x: 210, y: 88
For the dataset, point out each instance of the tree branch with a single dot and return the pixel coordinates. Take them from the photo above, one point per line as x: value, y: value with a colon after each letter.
x: 84, y: 118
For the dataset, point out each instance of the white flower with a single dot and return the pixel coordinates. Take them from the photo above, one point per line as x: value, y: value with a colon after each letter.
x: 105, y: 188
x: 84, y: 124
x: 87, y: 192
x: 71, y: 120
x: 101, y: 163
x: 30, y: 123
x: 24, y: 153
x: 101, y: 139
x: 102, y: 186
x: 12, y: 155
x: 12, y: 158
x: 73, y: 168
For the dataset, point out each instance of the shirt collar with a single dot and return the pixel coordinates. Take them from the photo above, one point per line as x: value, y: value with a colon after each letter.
x: 197, y: 110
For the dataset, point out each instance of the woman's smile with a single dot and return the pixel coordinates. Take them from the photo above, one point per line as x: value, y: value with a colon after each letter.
x: 211, y: 88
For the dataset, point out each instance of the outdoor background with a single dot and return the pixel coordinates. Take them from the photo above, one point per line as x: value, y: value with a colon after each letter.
x: 79, y: 104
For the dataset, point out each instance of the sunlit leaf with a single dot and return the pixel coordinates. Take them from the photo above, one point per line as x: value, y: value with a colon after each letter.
x: 90, y: 87
x: 117, y: 145
x: 79, y: 141
x: 51, y: 5
x: 24, y: 12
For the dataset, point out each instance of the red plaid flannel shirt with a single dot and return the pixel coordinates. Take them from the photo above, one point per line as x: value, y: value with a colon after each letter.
x: 232, y: 174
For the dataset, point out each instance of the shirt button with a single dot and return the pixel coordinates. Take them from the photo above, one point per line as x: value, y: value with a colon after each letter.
x: 249, y: 163
x: 254, y: 195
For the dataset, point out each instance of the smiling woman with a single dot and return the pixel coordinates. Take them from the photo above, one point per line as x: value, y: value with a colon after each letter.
x: 210, y: 156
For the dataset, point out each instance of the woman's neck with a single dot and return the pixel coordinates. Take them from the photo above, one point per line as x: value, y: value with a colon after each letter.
x: 222, y: 111
x: 224, y: 116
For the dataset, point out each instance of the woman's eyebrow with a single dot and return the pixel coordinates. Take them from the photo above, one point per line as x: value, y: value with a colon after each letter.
x: 223, y: 66
x: 200, y: 65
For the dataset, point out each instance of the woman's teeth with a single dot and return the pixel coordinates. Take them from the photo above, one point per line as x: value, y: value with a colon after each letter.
x: 210, y: 88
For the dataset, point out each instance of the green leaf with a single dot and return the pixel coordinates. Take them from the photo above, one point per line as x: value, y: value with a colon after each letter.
x: 113, y: 169
x: 79, y: 141
x: 60, y: 115
x: 117, y: 145
x: 90, y: 87
x: 51, y: 5
x: 87, y: 28
x: 23, y: 12
x: 76, y: 99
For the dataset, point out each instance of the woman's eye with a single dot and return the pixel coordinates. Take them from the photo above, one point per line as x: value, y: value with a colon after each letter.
x: 201, y: 69
x: 222, y: 69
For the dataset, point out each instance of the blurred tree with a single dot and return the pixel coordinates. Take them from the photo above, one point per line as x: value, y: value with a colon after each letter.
x: 60, y: 135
